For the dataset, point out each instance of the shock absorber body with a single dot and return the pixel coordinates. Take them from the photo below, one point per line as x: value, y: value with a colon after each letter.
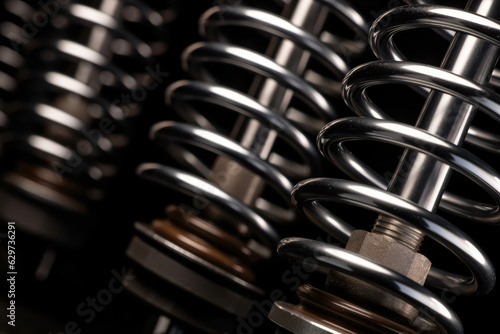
x: 73, y: 75
x: 417, y: 189
x: 12, y: 38
x: 85, y: 76
x: 226, y: 220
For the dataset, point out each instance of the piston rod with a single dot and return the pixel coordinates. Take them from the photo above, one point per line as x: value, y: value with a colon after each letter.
x: 419, y: 177
x: 311, y: 16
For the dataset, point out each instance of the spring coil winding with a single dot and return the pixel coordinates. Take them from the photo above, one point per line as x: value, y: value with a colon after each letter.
x: 203, y: 132
x: 88, y: 67
x: 11, y: 50
x: 378, y: 126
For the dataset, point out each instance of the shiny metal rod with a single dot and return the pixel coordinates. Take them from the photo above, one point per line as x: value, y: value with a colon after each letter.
x: 420, y: 178
x: 309, y: 15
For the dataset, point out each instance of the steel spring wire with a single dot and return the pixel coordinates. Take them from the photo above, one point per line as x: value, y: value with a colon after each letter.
x: 11, y: 51
x: 229, y: 219
x: 378, y: 126
x: 69, y: 120
x: 183, y: 96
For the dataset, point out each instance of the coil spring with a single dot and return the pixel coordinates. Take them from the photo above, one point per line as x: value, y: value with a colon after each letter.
x: 185, y: 97
x: 84, y: 79
x: 11, y: 56
x: 222, y: 234
x: 378, y: 126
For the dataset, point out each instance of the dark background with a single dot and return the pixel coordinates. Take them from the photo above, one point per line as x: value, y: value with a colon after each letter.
x: 46, y: 306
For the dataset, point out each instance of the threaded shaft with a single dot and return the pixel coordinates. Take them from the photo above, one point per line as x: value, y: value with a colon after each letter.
x: 399, y: 232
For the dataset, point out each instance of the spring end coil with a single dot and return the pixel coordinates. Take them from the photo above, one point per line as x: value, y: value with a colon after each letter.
x: 257, y: 220
x: 375, y: 125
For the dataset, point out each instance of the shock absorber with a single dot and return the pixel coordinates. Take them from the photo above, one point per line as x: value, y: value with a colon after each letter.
x: 240, y: 149
x: 87, y: 71
x: 11, y: 52
x: 375, y: 284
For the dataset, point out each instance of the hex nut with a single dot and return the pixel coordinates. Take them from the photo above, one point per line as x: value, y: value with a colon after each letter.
x: 392, y: 254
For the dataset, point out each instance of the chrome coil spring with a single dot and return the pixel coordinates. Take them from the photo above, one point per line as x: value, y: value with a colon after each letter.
x: 290, y: 126
x: 375, y: 125
x: 241, y: 149
x: 89, y: 67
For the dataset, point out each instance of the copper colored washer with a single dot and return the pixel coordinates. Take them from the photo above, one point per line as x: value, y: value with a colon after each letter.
x: 333, y: 308
x: 47, y: 177
x: 203, y: 249
x: 211, y: 233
